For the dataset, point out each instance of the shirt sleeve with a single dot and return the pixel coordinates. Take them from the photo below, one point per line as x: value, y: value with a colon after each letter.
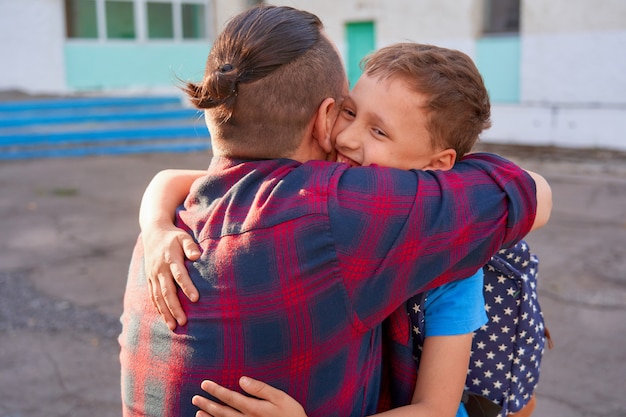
x: 397, y: 232
x: 456, y: 308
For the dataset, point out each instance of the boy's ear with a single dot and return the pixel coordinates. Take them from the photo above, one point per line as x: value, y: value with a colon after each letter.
x: 324, y: 122
x: 442, y: 160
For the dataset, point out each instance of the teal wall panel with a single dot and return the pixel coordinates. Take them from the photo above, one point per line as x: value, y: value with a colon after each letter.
x: 361, y: 40
x: 113, y: 66
x: 498, y: 59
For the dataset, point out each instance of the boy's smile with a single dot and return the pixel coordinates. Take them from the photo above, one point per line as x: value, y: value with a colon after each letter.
x: 344, y: 159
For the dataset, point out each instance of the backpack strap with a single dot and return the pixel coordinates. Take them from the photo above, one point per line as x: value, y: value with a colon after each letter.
x: 415, y: 308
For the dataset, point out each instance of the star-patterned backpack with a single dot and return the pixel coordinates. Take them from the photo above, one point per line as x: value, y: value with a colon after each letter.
x: 507, y: 351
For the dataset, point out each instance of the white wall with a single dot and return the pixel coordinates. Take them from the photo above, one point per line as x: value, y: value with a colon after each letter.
x: 558, y: 126
x: 575, y: 68
x: 562, y: 16
x: 32, y: 35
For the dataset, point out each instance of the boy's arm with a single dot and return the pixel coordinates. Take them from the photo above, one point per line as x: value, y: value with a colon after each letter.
x: 166, y: 246
x: 544, y: 200
x: 441, y: 377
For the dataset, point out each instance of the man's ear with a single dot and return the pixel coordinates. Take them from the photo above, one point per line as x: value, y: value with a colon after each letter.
x: 324, y: 122
x: 442, y: 160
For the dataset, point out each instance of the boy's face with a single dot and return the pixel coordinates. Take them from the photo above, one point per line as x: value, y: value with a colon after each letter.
x: 382, y: 122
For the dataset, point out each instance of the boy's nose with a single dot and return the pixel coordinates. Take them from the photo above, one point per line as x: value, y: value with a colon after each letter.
x: 348, y: 138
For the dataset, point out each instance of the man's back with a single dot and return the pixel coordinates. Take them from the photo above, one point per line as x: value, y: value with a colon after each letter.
x: 300, y: 266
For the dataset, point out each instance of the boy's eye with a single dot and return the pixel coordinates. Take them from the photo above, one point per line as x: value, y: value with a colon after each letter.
x: 379, y: 132
x: 348, y: 112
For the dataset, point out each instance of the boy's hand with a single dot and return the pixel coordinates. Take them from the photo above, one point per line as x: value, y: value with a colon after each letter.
x: 165, y: 249
x: 269, y: 401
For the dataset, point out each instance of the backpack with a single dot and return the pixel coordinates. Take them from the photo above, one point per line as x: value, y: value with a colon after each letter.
x: 507, y: 351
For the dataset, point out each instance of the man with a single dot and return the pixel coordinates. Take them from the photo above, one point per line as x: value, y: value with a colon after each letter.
x: 303, y: 259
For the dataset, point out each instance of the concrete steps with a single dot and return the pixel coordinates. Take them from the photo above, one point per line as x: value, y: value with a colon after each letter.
x: 73, y: 127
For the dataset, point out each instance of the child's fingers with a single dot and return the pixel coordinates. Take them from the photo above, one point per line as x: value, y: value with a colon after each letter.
x: 170, y: 299
x: 277, y: 402
x: 181, y: 276
x: 231, y: 398
x: 201, y: 413
x: 192, y: 252
x: 210, y: 408
x: 158, y: 299
x: 261, y: 390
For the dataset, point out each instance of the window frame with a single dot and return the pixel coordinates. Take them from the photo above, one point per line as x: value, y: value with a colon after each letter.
x: 141, y: 22
x: 492, y: 25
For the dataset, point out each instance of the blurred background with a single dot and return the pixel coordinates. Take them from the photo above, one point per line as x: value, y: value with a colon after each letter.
x: 90, y: 111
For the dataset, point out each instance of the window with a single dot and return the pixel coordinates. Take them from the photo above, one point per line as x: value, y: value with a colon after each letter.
x: 160, y: 20
x: 80, y: 18
x: 193, y: 16
x: 502, y: 16
x: 140, y: 20
x: 120, y: 19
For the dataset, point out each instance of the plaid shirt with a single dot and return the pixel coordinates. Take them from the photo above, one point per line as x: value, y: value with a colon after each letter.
x: 300, y: 265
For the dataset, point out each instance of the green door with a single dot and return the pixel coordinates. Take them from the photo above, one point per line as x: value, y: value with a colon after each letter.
x: 360, y: 41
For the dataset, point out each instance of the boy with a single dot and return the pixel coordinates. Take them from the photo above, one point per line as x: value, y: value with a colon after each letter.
x: 415, y: 107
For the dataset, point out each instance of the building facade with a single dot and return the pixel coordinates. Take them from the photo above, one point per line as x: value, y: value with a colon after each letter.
x: 555, y: 69
x: 70, y: 46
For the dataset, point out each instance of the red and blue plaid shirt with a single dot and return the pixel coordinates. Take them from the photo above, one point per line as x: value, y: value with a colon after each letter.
x: 300, y: 265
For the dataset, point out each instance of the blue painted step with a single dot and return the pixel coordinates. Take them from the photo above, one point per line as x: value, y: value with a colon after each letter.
x: 86, y: 102
x: 101, y: 116
x: 66, y: 127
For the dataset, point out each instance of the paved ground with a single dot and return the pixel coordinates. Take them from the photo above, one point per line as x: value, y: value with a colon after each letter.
x: 68, y: 227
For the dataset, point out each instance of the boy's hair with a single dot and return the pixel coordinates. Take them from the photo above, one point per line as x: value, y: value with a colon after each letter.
x: 457, y: 102
x: 266, y: 75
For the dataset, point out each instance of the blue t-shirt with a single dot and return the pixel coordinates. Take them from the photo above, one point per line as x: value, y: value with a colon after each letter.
x: 454, y: 309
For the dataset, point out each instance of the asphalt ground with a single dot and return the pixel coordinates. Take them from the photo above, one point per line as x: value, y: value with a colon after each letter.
x: 68, y: 226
